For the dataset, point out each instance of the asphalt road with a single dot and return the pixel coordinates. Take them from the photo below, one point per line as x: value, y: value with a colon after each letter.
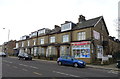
x: 12, y: 67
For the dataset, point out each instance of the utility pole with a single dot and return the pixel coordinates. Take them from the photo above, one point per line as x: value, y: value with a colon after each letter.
x: 119, y: 20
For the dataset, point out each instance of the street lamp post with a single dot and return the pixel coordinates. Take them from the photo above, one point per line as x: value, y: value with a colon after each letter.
x: 8, y: 33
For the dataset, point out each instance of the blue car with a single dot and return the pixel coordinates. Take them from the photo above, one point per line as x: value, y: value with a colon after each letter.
x: 68, y: 60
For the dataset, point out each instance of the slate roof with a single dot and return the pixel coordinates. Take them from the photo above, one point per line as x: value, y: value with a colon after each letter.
x: 55, y: 30
x: 87, y: 23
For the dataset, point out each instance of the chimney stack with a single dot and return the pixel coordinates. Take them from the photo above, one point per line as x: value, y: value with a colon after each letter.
x: 56, y: 26
x: 81, y: 18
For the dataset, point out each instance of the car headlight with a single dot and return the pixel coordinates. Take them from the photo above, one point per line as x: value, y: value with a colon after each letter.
x: 80, y: 62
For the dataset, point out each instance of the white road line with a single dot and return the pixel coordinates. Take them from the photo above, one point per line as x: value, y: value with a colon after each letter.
x: 34, y: 67
x: 37, y: 73
x: 112, y: 71
x: 65, y: 74
x: 24, y: 69
x: 29, y: 66
x: 23, y: 65
x: 7, y: 61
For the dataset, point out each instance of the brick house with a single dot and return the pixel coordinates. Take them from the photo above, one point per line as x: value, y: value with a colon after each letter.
x: 87, y: 40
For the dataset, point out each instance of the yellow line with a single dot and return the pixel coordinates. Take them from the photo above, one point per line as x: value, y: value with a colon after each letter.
x: 37, y: 73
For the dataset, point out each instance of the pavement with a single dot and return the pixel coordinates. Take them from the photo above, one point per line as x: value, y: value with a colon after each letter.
x: 107, y: 67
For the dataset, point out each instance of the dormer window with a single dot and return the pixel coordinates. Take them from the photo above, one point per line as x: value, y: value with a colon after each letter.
x: 33, y: 34
x: 65, y: 27
x: 41, y: 31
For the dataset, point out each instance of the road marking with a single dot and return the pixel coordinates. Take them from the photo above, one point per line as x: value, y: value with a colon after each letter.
x: 65, y: 74
x: 7, y: 61
x: 24, y: 69
x: 34, y: 67
x: 15, y: 67
x: 29, y: 66
x: 23, y: 65
x: 112, y: 71
x: 37, y: 73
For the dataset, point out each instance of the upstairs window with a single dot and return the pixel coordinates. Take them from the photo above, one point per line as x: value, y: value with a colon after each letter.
x: 22, y: 44
x: 42, y: 41
x: 34, y: 41
x: 65, y: 38
x: 66, y: 27
x: 81, y: 35
x: 16, y: 45
x: 28, y: 43
x: 52, y: 39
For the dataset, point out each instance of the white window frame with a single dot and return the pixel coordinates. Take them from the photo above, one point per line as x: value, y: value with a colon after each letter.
x: 34, y: 42
x: 52, y: 39
x: 42, y: 41
x: 28, y: 43
x: 16, y: 45
x: 66, y: 27
x: 65, y: 38
x: 81, y: 35
x: 41, y: 32
x: 22, y: 43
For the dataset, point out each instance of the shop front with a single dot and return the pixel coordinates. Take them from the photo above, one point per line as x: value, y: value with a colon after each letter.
x: 81, y: 50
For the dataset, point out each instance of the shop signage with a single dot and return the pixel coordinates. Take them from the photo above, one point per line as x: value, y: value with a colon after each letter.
x: 80, y: 43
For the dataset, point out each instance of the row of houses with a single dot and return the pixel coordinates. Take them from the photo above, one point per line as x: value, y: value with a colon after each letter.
x: 87, y: 40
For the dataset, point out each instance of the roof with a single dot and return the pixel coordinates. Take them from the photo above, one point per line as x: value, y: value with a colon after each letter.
x: 87, y: 23
x: 55, y: 30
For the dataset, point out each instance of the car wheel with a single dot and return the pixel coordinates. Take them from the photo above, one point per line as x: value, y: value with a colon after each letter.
x: 24, y: 58
x: 75, y: 65
x: 59, y: 63
x: 18, y: 58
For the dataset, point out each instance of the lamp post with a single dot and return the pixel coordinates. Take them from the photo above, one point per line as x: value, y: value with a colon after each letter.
x: 8, y: 33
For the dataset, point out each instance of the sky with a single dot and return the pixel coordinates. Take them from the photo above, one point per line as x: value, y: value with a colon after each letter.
x: 21, y: 17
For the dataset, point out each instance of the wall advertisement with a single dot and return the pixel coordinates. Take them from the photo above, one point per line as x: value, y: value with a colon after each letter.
x: 81, y: 49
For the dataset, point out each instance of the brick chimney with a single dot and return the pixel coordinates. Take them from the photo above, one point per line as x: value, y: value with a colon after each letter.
x: 81, y: 18
x: 56, y: 26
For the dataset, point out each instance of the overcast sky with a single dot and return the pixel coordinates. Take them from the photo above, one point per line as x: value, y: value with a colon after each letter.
x: 22, y: 17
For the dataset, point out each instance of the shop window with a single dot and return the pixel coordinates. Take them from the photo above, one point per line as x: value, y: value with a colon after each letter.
x: 81, y: 51
x: 81, y: 35
x: 65, y: 38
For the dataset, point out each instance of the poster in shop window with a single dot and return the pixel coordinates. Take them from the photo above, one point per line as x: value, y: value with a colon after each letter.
x: 81, y: 50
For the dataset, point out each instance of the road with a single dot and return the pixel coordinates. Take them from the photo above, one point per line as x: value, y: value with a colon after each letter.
x: 12, y: 67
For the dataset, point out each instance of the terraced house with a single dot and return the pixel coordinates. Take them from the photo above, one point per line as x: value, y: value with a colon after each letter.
x: 87, y: 40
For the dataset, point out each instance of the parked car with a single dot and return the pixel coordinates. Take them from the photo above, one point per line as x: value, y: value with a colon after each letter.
x: 118, y: 63
x: 24, y: 56
x: 2, y: 54
x: 68, y: 60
